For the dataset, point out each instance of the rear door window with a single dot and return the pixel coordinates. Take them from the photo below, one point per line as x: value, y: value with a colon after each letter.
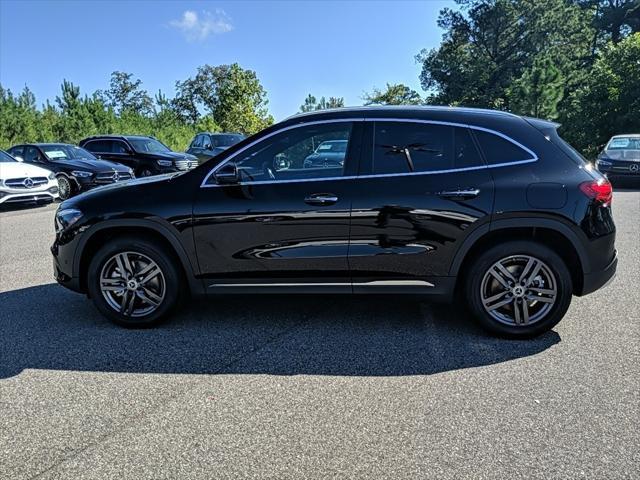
x: 98, y: 146
x: 404, y: 147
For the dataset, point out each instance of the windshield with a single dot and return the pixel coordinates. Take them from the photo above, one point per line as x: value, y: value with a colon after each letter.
x: 225, y: 140
x: 624, y: 143
x: 338, y: 146
x: 6, y: 158
x: 66, y: 152
x: 148, y: 145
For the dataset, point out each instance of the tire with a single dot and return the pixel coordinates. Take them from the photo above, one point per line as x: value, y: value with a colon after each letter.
x: 66, y: 189
x: 518, y: 306
x: 145, y: 304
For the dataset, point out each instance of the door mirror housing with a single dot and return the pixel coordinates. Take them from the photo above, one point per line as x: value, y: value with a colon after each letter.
x: 227, y: 174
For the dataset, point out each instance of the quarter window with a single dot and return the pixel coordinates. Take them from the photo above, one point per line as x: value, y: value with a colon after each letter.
x: 404, y: 147
x: 500, y: 150
x: 297, y: 154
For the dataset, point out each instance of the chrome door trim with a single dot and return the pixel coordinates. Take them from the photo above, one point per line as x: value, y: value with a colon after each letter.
x: 534, y: 157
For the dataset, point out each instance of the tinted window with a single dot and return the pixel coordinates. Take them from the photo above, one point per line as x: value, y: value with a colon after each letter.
x: 32, y: 154
x: 287, y: 156
x: 225, y: 140
x: 65, y: 152
x: 196, y: 142
x: 17, y: 151
x: 427, y: 147
x: 500, y: 150
x: 146, y: 145
x: 119, y: 147
x: 6, y: 158
x: 99, y: 146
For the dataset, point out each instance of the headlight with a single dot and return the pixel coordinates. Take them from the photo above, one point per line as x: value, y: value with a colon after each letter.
x: 604, y: 163
x: 165, y: 163
x: 81, y: 174
x: 52, y: 176
x: 67, y: 217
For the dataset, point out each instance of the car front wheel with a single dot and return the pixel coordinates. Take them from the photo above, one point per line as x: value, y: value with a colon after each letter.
x: 134, y: 282
x: 65, y: 188
x: 519, y: 289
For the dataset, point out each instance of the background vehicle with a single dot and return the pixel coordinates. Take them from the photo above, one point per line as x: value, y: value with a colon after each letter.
x: 145, y: 155
x: 207, y: 145
x: 23, y: 183
x: 430, y: 201
x: 621, y: 157
x: 329, y: 153
x: 76, y: 169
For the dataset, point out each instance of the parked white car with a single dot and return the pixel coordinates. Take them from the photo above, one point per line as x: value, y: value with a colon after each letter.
x: 24, y: 183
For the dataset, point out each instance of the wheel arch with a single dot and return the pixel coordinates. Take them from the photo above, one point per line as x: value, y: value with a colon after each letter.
x: 105, y: 231
x: 552, y: 233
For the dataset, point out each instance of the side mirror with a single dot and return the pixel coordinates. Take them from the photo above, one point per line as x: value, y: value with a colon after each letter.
x: 20, y: 159
x: 227, y: 174
x: 207, y: 146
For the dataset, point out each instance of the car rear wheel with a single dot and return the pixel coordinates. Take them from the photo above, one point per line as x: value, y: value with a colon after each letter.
x: 519, y: 289
x: 65, y: 188
x: 134, y: 282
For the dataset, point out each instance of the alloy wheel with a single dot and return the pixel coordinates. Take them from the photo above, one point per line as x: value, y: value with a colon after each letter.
x: 519, y: 290
x: 132, y: 284
x: 64, y: 187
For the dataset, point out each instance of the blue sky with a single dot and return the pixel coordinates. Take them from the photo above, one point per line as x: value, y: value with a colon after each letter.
x: 295, y: 47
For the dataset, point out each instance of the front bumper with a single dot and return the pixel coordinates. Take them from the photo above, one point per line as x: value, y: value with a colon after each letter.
x: 598, y: 279
x: 620, y: 168
x: 26, y: 196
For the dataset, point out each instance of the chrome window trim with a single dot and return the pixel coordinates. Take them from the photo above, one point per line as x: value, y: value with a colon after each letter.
x: 534, y: 157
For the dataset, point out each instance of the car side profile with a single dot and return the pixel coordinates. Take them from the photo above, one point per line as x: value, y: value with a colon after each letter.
x: 146, y: 156
x: 22, y: 183
x: 76, y: 170
x: 207, y: 145
x: 442, y: 202
x: 621, y: 157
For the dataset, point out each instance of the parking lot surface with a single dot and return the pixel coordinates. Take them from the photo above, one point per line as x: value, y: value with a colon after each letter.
x: 306, y: 387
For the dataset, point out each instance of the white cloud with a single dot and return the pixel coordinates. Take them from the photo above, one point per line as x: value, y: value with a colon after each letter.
x: 198, y: 27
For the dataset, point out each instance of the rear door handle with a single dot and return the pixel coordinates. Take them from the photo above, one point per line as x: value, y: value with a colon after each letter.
x: 460, y: 194
x: 321, y: 199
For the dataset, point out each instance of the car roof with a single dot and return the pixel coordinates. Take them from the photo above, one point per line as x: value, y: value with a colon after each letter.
x: 117, y: 137
x: 220, y: 133
x: 627, y: 135
x: 407, y: 111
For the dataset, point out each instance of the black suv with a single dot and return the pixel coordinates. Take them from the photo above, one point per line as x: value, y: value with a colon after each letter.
x: 145, y: 155
x: 207, y: 145
x: 433, y: 201
x: 76, y: 169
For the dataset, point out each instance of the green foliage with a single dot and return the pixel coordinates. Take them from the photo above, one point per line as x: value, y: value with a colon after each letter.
x: 311, y: 103
x: 231, y: 98
x: 395, y: 94
x: 609, y: 101
x: 570, y: 60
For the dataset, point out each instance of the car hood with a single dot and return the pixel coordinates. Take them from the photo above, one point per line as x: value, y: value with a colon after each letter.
x: 19, y: 170
x: 170, y: 155
x: 91, y: 165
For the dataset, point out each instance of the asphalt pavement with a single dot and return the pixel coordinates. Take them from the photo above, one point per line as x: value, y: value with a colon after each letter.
x: 312, y: 387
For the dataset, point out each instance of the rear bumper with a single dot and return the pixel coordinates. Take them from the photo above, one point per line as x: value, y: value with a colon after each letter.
x: 598, y: 279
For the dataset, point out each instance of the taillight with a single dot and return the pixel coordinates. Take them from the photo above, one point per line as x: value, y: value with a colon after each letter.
x: 598, y: 190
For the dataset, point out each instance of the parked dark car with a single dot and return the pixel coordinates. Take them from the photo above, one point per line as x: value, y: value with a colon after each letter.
x: 439, y: 202
x: 328, y: 154
x: 207, y: 145
x: 621, y: 157
x: 76, y: 169
x: 145, y: 155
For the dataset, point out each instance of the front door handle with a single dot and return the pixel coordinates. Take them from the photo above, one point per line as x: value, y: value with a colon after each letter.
x: 460, y: 194
x: 321, y: 199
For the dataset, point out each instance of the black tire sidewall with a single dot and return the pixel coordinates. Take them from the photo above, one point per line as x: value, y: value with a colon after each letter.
x: 154, y: 251
x: 522, y: 247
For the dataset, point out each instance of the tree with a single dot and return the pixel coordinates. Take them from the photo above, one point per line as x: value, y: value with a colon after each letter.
x: 609, y: 102
x: 126, y: 94
x: 395, y: 94
x: 613, y: 19
x: 232, y: 95
x: 311, y: 103
x: 491, y: 43
x: 538, y: 91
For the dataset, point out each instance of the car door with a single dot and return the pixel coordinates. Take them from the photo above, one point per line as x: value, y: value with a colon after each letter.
x: 196, y: 148
x: 282, y: 225
x: 423, y: 188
